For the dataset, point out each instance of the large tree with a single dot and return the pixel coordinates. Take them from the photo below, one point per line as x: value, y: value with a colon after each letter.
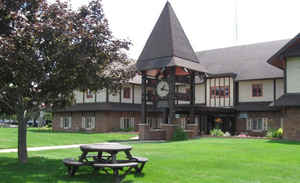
x: 48, y: 51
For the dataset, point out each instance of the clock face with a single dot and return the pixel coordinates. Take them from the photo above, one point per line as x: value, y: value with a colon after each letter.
x: 162, y: 89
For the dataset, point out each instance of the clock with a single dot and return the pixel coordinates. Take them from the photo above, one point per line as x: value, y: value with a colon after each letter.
x: 162, y: 89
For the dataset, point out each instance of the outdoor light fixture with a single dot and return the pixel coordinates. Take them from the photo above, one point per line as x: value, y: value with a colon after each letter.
x: 218, y: 120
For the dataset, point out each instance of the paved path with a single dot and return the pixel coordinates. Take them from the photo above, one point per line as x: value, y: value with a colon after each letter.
x: 134, y: 140
x: 41, y: 148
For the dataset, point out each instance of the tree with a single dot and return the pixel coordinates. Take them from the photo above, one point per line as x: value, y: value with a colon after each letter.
x: 57, y: 50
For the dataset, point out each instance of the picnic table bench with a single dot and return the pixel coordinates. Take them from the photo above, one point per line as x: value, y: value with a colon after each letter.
x: 102, y: 162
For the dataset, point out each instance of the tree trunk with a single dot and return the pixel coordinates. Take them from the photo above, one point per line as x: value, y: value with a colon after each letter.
x: 22, y: 142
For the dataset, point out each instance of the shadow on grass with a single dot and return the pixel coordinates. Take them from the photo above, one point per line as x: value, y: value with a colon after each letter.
x: 40, y: 169
x: 281, y: 141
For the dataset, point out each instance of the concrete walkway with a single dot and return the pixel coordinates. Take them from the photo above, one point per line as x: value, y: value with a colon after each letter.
x: 133, y: 140
x: 42, y: 148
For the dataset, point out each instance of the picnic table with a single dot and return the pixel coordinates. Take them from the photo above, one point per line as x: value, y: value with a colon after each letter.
x: 106, y: 157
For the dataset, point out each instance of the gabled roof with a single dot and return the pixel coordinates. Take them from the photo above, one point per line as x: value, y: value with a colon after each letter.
x: 275, y: 59
x: 168, y: 45
x: 248, y: 62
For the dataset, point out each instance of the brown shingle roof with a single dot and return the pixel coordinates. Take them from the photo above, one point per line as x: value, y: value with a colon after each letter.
x: 288, y: 100
x: 254, y: 107
x: 168, y: 45
x: 247, y: 61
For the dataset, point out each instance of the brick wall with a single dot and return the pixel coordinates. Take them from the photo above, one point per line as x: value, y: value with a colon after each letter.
x: 291, y: 124
x: 274, y: 122
x: 104, y: 121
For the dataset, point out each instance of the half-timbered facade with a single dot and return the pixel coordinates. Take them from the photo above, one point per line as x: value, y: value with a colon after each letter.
x: 233, y: 88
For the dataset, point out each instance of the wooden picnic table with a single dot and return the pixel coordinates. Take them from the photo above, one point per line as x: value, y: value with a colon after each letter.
x: 111, y: 148
x: 103, y: 161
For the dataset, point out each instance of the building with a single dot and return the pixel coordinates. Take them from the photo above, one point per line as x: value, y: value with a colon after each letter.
x: 247, y: 89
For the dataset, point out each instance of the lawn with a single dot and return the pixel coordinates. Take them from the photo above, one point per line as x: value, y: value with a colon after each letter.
x: 208, y: 160
x: 45, y: 137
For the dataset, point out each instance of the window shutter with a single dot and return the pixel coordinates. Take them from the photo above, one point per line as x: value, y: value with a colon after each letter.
x: 132, y: 122
x: 61, y: 122
x: 83, y: 122
x: 93, y: 122
x: 70, y: 122
x: 122, y: 123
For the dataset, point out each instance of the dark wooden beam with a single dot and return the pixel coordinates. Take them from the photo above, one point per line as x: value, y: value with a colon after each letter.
x: 133, y: 93
x: 107, y: 95
x: 120, y: 97
x: 285, y: 75
x: 274, y: 89
x: 83, y: 96
x: 215, y: 88
x: 171, y: 98
x: 209, y: 91
x: 224, y: 87
x: 144, y: 102
x: 192, y: 97
x: 229, y: 90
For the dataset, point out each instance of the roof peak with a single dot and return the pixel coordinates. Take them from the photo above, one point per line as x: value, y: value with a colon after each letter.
x: 167, y: 40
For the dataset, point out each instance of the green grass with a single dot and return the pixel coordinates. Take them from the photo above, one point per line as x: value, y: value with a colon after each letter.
x: 46, y: 137
x: 209, y: 160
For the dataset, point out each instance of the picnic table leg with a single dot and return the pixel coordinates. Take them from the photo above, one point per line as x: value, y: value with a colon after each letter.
x: 99, y: 155
x: 113, y: 157
x: 83, y: 156
x: 116, y: 175
x: 128, y: 155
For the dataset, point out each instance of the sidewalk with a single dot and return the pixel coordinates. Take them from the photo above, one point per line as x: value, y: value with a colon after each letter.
x: 133, y: 140
x: 41, y: 148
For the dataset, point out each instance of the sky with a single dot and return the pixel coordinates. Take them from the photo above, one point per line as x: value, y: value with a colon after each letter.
x: 208, y: 24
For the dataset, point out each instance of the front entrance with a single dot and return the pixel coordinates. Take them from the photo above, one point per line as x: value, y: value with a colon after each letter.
x: 210, y: 122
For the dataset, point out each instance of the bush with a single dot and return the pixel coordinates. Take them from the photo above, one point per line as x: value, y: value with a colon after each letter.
x: 272, y: 133
x: 127, y: 130
x: 216, y: 132
x: 179, y: 134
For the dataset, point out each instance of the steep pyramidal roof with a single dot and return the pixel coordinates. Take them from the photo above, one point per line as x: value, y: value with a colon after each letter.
x: 168, y: 45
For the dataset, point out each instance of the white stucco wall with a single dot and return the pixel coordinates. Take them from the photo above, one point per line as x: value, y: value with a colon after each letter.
x: 219, y: 102
x: 137, y: 94
x: 101, y: 96
x: 279, y: 88
x: 200, y: 94
x: 245, y: 91
x: 293, y: 75
x: 114, y: 97
x: 78, y: 97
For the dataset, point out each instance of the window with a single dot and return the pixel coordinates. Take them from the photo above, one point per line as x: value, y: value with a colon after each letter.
x: 126, y: 122
x: 154, y: 123
x: 88, y: 122
x: 89, y: 94
x: 219, y: 91
x: 257, y: 90
x: 66, y: 122
x: 257, y: 124
x: 126, y: 92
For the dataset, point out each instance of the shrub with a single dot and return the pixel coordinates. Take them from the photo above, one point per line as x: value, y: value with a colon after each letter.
x: 179, y: 134
x: 127, y: 130
x: 272, y: 133
x: 216, y: 132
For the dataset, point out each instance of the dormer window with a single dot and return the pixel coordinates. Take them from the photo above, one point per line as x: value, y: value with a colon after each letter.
x: 257, y: 90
